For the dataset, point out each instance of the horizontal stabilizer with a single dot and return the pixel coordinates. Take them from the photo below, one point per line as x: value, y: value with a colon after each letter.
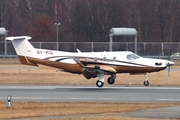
x: 18, y: 38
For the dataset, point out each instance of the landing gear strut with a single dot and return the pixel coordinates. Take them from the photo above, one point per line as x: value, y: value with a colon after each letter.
x: 111, y: 79
x: 146, y: 82
x: 100, y: 82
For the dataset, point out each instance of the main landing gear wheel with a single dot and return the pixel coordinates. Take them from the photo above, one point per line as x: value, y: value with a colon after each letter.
x: 99, y: 83
x: 111, y: 80
x: 146, y: 83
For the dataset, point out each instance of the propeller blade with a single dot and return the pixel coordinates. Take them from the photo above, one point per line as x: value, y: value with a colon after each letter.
x: 170, y: 63
x: 169, y: 71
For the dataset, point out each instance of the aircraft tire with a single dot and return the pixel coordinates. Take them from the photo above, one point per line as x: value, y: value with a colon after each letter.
x: 99, y: 83
x: 146, y: 83
x: 110, y: 80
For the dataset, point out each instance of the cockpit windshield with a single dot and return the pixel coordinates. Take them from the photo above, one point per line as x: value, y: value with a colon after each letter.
x: 132, y: 56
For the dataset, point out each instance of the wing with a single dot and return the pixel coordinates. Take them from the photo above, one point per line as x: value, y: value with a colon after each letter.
x: 91, y: 71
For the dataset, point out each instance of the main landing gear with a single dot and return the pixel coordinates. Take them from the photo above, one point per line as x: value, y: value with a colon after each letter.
x: 110, y: 80
x: 146, y: 82
x: 100, y: 82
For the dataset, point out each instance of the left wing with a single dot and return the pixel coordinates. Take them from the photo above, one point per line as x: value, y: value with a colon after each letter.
x: 91, y: 71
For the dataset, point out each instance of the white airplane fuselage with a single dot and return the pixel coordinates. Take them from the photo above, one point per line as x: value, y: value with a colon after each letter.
x: 90, y: 64
x: 117, y: 60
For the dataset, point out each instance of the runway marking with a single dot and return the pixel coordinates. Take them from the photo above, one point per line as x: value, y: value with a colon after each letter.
x: 169, y: 99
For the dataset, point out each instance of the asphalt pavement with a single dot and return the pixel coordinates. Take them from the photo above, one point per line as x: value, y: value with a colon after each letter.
x: 106, y: 94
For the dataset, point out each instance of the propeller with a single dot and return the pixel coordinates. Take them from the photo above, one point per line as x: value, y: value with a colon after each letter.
x: 169, y: 64
x: 169, y: 68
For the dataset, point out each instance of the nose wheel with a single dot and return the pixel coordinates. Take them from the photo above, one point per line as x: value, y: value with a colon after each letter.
x: 146, y: 83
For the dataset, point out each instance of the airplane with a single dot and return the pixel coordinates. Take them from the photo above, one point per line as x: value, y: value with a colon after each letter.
x: 89, y: 64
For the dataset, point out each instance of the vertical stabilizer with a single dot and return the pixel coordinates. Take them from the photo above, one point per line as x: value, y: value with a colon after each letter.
x: 23, y: 48
x: 21, y: 45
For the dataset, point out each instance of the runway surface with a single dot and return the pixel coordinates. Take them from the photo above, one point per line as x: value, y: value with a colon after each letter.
x: 91, y: 93
x: 105, y: 94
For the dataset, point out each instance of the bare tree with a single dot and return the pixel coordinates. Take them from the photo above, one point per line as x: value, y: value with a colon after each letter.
x: 163, y: 11
x: 91, y: 20
x: 145, y: 19
x: 43, y: 28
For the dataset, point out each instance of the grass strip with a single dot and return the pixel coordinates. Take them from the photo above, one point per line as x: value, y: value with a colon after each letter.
x: 106, y: 110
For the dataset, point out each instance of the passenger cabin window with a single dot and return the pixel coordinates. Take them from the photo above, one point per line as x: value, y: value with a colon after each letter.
x: 95, y: 59
x: 77, y: 60
x: 132, y: 56
x: 114, y: 58
x: 104, y: 58
x: 86, y: 59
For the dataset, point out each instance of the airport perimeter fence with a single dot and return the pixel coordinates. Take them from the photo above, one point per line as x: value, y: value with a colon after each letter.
x: 143, y: 48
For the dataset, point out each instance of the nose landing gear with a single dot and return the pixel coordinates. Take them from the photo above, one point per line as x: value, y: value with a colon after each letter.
x: 146, y: 82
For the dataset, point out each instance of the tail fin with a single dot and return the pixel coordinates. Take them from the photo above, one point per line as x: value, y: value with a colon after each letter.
x: 23, y: 48
x: 21, y: 44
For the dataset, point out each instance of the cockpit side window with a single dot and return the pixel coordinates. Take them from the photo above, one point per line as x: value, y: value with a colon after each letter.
x: 129, y: 57
x: 132, y: 56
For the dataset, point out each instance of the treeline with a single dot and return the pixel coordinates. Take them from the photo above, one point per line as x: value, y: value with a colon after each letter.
x: 91, y: 20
